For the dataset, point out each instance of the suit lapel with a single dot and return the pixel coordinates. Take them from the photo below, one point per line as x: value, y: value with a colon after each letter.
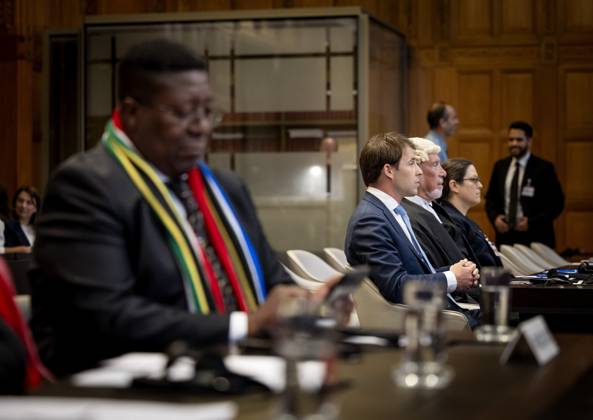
x: 395, y: 225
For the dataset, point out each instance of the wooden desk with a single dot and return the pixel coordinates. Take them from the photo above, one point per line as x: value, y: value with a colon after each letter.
x: 566, y: 308
x: 481, y: 388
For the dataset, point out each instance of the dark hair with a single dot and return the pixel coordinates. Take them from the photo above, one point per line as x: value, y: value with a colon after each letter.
x: 456, y: 169
x: 522, y: 125
x: 381, y: 149
x: 34, y: 195
x: 4, y: 210
x: 145, y: 62
x: 437, y: 111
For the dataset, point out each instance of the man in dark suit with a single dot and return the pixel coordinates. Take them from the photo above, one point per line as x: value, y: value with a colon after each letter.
x: 379, y: 232
x: 438, y: 235
x: 126, y: 263
x: 524, y: 196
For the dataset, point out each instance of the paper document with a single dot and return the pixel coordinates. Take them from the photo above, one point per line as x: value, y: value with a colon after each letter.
x: 269, y: 370
x: 46, y: 408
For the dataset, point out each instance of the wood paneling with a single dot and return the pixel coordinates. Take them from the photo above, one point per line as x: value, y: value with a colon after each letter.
x: 518, y: 17
x: 579, y: 227
x: 475, y: 99
x: 578, y: 99
x: 474, y: 18
x: 580, y: 170
x: 517, y: 96
x: 578, y: 15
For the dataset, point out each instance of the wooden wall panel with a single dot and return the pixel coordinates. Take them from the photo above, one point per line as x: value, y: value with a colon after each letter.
x: 579, y: 227
x: 580, y: 171
x: 578, y: 15
x: 578, y: 100
x: 477, y: 151
x: 474, y: 99
x: 474, y: 18
x: 517, y: 96
x: 518, y: 17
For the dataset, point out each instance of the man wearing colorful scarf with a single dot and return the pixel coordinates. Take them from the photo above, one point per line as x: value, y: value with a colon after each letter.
x: 124, y: 262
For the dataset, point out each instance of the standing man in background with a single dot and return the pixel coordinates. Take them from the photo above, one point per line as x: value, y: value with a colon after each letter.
x: 524, y: 196
x: 442, y: 120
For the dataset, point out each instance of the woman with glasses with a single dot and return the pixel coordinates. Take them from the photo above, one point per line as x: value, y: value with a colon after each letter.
x: 462, y: 190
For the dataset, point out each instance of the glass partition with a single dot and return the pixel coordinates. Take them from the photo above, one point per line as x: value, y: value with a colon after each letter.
x: 289, y: 90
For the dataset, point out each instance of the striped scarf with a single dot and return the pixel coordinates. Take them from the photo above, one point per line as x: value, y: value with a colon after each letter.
x: 230, y: 241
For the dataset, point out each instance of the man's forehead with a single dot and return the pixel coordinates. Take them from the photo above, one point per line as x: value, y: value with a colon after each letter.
x: 517, y: 133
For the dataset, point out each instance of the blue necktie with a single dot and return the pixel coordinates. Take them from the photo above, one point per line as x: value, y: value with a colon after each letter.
x: 404, y: 215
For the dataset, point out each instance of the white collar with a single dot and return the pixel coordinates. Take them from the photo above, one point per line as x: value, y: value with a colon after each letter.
x: 522, y: 160
x: 387, y: 200
x: 420, y: 201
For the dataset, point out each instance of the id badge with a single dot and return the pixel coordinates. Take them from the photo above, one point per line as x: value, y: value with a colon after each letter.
x: 528, y: 191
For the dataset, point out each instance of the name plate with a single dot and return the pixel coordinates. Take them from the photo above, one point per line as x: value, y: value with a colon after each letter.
x: 533, y: 340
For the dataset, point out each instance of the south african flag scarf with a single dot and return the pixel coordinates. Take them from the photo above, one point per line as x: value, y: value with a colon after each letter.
x: 228, y: 237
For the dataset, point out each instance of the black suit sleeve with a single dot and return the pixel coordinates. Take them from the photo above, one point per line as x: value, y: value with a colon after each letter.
x: 552, y: 201
x: 12, y: 361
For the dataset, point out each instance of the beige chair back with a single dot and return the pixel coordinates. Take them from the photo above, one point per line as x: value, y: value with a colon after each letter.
x: 549, y: 254
x: 533, y: 256
x: 337, y: 259
x: 523, y: 263
x: 375, y: 312
x: 310, y: 266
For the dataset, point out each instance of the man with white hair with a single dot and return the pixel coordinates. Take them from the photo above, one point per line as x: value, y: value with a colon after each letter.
x: 439, y: 237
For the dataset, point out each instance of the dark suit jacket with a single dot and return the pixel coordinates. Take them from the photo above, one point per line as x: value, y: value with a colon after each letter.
x: 13, y: 361
x: 14, y: 235
x: 546, y: 204
x: 443, y: 243
x: 375, y: 238
x: 107, y: 282
x: 475, y: 236
x: 437, y: 243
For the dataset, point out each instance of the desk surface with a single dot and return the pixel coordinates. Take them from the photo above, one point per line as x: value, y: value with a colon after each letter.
x: 481, y: 387
x: 567, y: 308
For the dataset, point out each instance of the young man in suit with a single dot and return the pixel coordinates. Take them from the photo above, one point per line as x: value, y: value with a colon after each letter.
x: 524, y: 196
x: 139, y: 243
x: 379, y: 232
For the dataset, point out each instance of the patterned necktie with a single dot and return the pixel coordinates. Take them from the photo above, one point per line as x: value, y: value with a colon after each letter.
x: 514, y: 198
x: 419, y: 251
x: 196, y: 220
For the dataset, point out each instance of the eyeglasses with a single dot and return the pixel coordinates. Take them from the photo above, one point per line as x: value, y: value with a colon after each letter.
x: 184, y: 117
x: 475, y: 179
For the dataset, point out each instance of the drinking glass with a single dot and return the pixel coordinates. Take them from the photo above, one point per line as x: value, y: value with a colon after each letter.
x: 423, y: 363
x: 495, y: 306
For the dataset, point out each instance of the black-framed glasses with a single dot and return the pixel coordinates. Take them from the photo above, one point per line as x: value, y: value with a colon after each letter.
x: 184, y: 117
x: 475, y: 179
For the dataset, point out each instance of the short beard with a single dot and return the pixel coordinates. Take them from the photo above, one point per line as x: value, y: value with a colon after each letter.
x: 435, y: 194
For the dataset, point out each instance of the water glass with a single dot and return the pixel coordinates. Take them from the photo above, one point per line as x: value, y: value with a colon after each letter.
x: 423, y: 363
x: 495, y: 306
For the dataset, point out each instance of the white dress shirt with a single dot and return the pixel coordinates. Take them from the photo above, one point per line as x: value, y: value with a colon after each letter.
x: 426, y: 205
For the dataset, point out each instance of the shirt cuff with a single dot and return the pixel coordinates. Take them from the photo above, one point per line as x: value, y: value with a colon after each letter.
x: 238, y: 326
x: 451, y: 281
